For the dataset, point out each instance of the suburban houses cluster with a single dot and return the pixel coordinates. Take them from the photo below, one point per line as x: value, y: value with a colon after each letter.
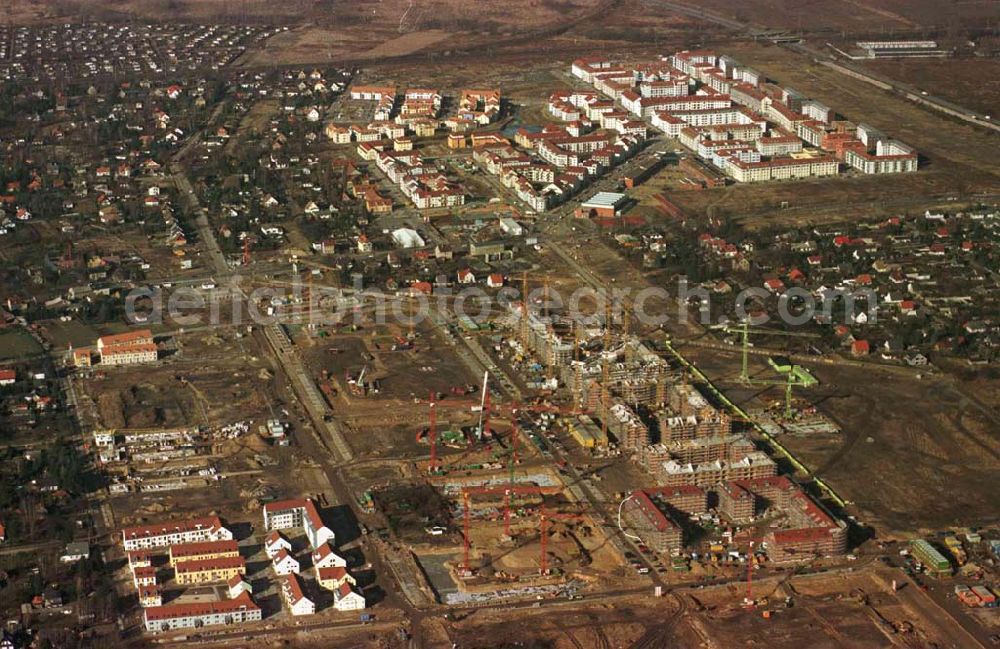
x: 203, y: 551
x: 731, y: 117
x: 553, y: 164
x: 94, y: 49
x: 387, y: 140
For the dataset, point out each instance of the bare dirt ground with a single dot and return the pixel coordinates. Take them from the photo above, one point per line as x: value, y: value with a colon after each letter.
x: 973, y: 83
x: 224, y: 386
x: 908, y: 446
x: 856, y: 16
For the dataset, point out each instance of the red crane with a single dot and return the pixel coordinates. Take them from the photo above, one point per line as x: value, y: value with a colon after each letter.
x: 246, y: 250
x: 749, y: 598
x: 543, y: 564
x: 465, y: 530
x: 433, y: 404
x: 507, y: 491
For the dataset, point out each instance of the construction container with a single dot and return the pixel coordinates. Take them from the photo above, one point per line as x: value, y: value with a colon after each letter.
x: 966, y: 596
x: 986, y: 597
x: 937, y: 564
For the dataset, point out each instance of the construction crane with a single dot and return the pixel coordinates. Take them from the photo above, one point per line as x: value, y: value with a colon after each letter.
x: 543, y: 564
x: 246, y: 250
x: 434, y: 466
x: 507, y: 492
x: 792, y: 378
x: 744, y: 330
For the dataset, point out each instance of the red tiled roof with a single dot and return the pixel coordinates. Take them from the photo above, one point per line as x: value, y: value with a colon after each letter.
x: 199, y: 565
x: 127, y: 338
x: 172, y: 611
x: 334, y: 573
x: 182, y: 550
x: 171, y: 527
x: 300, y: 503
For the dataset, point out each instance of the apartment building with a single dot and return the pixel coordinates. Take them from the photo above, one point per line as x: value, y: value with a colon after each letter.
x: 294, y: 597
x: 129, y: 348
x: 332, y: 578
x: 890, y: 156
x: 204, y: 571
x: 753, y: 465
x: 806, y: 544
x: 284, y: 563
x: 325, y: 557
x: 684, y: 498
x: 275, y: 542
x: 736, y: 502
x: 175, y: 532
x: 202, y: 550
x: 345, y: 598
x: 781, y: 168
x: 150, y: 595
x: 302, y: 513
x: 173, y: 617
x: 650, y: 523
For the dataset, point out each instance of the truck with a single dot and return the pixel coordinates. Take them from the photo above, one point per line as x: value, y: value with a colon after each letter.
x: 366, y: 618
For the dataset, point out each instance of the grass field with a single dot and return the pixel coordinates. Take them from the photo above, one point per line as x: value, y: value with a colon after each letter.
x: 17, y: 344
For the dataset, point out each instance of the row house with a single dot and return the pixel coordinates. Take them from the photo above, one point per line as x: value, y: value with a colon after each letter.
x: 190, y: 616
x: 202, y: 550
x: 780, y: 168
x: 364, y: 134
x: 209, y: 570
x: 175, y: 532
x: 584, y: 68
x: 372, y: 93
x: 676, y: 86
x: 127, y: 348
x: 754, y: 465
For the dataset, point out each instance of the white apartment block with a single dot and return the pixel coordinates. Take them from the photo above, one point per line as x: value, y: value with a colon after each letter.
x: 302, y: 513
x: 190, y: 616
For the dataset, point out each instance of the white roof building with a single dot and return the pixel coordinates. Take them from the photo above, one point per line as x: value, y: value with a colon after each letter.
x: 407, y: 238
